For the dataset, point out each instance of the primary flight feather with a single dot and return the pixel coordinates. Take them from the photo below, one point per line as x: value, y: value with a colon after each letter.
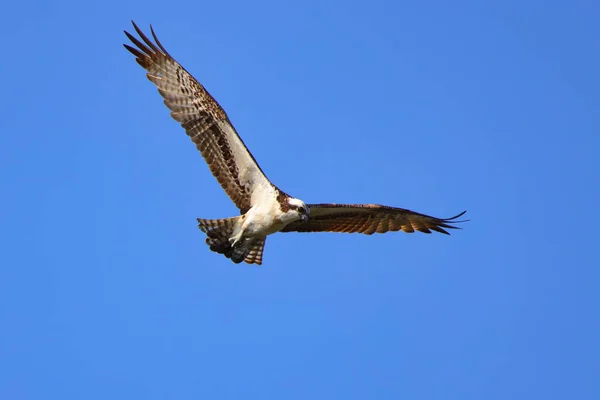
x: 264, y: 208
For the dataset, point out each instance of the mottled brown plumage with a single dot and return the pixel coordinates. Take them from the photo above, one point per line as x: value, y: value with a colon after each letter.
x: 203, y: 119
x: 369, y: 219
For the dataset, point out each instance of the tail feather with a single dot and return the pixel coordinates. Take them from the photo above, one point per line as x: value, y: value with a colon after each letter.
x: 219, y: 231
x: 256, y: 251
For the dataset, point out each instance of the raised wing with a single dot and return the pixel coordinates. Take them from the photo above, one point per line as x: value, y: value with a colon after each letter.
x: 205, y: 122
x: 369, y: 219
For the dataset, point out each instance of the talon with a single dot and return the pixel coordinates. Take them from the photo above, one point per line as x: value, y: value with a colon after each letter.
x: 235, y: 239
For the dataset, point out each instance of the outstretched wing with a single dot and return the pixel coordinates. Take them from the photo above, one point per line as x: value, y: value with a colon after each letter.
x: 205, y: 122
x: 369, y: 219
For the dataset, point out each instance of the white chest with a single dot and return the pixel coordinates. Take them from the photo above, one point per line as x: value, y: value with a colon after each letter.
x: 264, y: 219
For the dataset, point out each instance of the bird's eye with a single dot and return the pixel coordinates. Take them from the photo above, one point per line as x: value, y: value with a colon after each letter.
x: 302, y: 210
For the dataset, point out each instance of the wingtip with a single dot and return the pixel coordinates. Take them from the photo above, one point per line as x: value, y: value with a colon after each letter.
x: 134, y: 26
x: 449, y: 223
x: 158, y: 41
x: 453, y: 219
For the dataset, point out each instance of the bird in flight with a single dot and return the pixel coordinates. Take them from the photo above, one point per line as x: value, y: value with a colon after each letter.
x: 264, y: 208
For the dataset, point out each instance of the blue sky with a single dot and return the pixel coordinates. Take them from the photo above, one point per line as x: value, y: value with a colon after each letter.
x: 107, y: 289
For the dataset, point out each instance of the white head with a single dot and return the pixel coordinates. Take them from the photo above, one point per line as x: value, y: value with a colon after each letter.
x: 299, y: 208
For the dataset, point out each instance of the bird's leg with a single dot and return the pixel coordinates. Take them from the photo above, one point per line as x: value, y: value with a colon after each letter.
x: 236, y: 238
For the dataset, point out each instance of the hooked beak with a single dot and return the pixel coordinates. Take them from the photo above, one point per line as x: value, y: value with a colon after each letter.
x: 304, y: 218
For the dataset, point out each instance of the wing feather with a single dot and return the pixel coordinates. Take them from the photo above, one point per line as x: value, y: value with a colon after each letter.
x: 203, y: 119
x: 369, y: 219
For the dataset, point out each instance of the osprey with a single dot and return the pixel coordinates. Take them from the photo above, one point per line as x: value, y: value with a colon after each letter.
x: 264, y: 208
